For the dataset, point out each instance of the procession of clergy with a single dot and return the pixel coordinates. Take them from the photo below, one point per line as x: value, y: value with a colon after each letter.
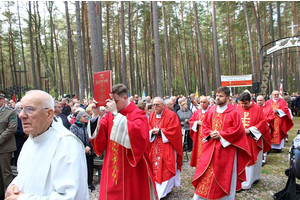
x: 143, y: 157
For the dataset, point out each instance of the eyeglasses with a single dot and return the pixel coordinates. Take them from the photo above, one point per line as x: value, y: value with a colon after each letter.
x: 29, y: 110
x: 156, y: 105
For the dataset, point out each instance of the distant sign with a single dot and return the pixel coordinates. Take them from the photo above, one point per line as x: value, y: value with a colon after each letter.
x: 236, y: 80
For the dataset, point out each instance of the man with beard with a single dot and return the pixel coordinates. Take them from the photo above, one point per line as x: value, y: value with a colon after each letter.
x: 196, y: 130
x: 225, y: 155
x: 269, y: 116
x: 282, y: 123
x: 258, y: 136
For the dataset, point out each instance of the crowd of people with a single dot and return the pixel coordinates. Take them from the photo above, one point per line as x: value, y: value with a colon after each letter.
x: 142, y: 141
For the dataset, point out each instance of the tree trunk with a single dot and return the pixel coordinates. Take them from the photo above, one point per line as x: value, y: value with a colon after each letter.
x: 274, y: 76
x: 98, y: 67
x: 99, y: 34
x: 298, y: 49
x: 85, y: 71
x: 108, y: 64
x: 79, y: 52
x: 61, y: 83
x: 181, y: 58
x: 23, y: 56
x: 280, y: 77
x: 154, y: 83
x: 145, y: 86
x: 31, y: 49
x: 37, y: 33
x: 168, y: 62
x: 185, y: 52
x: 115, y: 54
x: 139, y: 74
x: 251, y: 43
x: 205, y: 74
x: 75, y: 76
x: 228, y: 40
x: 157, y: 51
x: 90, y: 67
x: 216, y: 51
x: 131, y: 71
x: 53, y: 79
x: 124, y: 70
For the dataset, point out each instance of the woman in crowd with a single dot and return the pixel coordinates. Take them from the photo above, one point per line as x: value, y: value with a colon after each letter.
x: 211, y: 102
x: 184, y: 115
x: 80, y: 130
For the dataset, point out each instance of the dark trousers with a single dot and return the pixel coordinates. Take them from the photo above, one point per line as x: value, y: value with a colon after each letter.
x: 90, y: 166
x: 6, y: 175
x: 188, y: 140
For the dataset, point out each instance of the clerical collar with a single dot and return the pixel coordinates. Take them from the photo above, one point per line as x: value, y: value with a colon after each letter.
x: 159, y: 115
x: 204, y: 111
x: 250, y: 103
x: 221, y: 109
x: 275, y: 100
x: 263, y: 105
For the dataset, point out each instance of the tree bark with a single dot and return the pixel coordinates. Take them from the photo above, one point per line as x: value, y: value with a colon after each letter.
x: 124, y: 70
x: 99, y: 33
x: 254, y: 76
x: 98, y: 67
x: 157, y: 51
x: 85, y: 69
x: 75, y: 76
x: 273, y: 71
x: 79, y: 51
x: 153, y: 69
x: 108, y: 64
x: 205, y: 74
x: 131, y: 71
x: 168, y: 62
x: 31, y: 49
x: 185, y: 52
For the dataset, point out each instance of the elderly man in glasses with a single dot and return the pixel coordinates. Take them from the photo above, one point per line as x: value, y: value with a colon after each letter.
x: 8, y: 127
x: 283, y: 121
x: 166, y: 147
x: 52, y: 163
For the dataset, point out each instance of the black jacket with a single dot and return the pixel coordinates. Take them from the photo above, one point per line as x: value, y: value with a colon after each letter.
x: 65, y: 121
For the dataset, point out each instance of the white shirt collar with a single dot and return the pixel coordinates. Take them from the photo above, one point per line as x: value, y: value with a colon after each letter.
x: 204, y: 111
x: 159, y: 115
x: 275, y: 100
x: 221, y: 109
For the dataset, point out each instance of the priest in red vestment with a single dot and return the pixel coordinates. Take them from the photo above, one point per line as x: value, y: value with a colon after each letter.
x: 258, y: 136
x: 283, y: 121
x: 269, y: 116
x: 225, y: 154
x: 196, y: 130
x: 123, y: 133
x: 166, y: 147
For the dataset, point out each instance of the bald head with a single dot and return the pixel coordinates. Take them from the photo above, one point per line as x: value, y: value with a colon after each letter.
x: 260, y: 100
x: 158, y: 104
x: 204, y: 102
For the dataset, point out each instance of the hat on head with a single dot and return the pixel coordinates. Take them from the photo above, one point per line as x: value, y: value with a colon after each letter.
x: 79, y: 115
x: 2, y: 94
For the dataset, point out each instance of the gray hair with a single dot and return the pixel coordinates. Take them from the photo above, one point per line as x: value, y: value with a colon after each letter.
x: 47, y: 100
x: 17, y: 106
x: 161, y: 99
x: 167, y: 101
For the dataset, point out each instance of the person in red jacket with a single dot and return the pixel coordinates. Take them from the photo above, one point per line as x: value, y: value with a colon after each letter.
x: 123, y: 133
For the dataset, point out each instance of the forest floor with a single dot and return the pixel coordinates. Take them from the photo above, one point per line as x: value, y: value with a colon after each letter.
x: 272, y: 179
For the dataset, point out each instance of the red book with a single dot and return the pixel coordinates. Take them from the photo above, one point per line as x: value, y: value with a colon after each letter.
x: 102, y: 87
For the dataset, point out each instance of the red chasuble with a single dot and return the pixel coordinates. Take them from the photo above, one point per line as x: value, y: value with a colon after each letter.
x: 254, y: 116
x: 213, y: 175
x: 126, y: 172
x: 269, y: 115
x: 162, y: 154
x: 281, y: 124
x: 197, y: 137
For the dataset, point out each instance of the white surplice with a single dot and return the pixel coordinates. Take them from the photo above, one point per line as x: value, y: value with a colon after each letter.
x: 52, y: 166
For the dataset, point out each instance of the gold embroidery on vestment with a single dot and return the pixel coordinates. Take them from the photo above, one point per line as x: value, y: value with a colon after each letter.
x: 246, y: 119
x: 114, y: 148
x: 205, y: 181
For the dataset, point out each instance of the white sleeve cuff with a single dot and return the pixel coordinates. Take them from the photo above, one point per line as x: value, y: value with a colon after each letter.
x: 255, y: 132
x: 92, y: 135
x: 224, y: 142
x: 195, y: 126
x: 152, y: 137
x: 281, y: 113
x: 164, y: 138
x: 119, y: 132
